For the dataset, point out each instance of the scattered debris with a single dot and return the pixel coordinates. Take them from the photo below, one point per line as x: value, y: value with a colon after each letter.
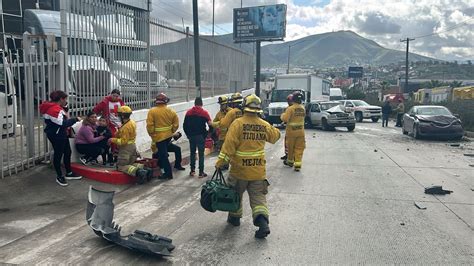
x: 381, y: 157
x: 408, y: 149
x: 375, y: 150
x: 455, y: 144
x: 456, y: 175
x: 420, y: 205
x: 471, y: 165
x: 437, y: 190
x: 469, y: 154
x: 99, y: 216
x: 402, y: 224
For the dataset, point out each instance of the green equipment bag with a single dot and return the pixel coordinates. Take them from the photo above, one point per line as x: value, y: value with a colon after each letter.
x: 216, y: 195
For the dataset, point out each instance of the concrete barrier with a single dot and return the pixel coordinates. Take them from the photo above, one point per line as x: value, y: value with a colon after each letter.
x: 143, y: 141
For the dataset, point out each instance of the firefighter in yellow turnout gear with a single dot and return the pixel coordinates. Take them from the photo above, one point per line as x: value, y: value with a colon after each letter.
x: 223, y: 101
x: 236, y: 112
x: 295, y: 136
x: 161, y: 124
x: 244, y: 148
x: 127, y: 151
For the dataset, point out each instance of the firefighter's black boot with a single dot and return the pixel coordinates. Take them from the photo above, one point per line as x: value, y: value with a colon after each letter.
x: 263, y: 228
x: 284, y: 157
x: 149, y: 174
x: 235, y: 221
x: 141, y: 176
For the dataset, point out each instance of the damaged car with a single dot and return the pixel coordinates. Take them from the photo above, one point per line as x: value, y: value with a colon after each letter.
x: 432, y: 121
x: 99, y: 216
x: 329, y: 115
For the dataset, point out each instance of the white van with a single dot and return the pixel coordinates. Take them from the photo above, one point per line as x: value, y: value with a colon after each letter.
x: 335, y: 94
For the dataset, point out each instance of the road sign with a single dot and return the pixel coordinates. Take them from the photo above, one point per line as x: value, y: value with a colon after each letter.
x: 356, y: 72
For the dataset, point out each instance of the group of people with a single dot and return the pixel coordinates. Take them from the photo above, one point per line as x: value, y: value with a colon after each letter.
x: 113, y: 135
x: 241, y: 141
x: 242, y: 138
x: 387, y: 111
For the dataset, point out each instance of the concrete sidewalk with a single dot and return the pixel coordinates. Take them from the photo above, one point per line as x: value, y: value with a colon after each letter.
x: 32, y: 200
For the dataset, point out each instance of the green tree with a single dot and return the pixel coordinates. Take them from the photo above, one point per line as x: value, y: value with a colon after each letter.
x: 355, y: 94
x: 455, y: 84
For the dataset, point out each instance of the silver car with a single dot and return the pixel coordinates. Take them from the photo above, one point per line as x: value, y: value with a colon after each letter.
x: 329, y: 115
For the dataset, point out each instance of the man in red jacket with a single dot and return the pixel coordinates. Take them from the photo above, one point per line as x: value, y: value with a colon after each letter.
x: 108, y: 108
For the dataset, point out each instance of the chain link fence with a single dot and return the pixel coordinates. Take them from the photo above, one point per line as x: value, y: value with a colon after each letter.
x: 90, y: 47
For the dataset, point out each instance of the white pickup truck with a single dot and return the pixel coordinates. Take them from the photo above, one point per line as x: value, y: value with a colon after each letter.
x: 363, y: 110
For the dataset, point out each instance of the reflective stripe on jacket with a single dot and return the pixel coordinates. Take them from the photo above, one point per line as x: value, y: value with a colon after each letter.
x: 161, y: 122
x: 126, y: 134
x: 244, y: 147
x: 294, y: 119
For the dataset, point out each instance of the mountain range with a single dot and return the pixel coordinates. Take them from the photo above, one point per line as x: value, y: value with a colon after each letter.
x: 331, y: 49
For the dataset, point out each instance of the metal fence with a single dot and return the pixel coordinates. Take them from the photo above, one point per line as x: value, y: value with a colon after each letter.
x: 91, y: 47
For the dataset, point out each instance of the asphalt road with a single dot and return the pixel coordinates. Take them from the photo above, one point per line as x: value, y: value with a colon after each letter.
x: 353, y: 202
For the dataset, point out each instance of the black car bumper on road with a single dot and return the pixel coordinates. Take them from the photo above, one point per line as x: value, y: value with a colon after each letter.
x: 430, y: 130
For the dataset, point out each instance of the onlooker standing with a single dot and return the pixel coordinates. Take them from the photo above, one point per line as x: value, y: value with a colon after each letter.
x: 195, y: 128
x: 161, y: 124
x: 386, y: 111
x: 57, y: 122
x: 86, y: 141
x: 400, y: 112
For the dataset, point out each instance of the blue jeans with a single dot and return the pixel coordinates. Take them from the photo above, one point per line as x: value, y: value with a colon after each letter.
x: 385, y: 119
x: 197, y: 142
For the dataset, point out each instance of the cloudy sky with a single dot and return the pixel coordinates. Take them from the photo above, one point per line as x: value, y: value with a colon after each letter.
x: 443, y: 29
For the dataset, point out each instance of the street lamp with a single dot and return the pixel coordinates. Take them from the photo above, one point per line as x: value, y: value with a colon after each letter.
x: 289, y: 51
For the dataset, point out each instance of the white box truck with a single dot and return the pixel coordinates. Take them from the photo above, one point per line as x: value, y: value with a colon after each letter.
x: 313, y: 88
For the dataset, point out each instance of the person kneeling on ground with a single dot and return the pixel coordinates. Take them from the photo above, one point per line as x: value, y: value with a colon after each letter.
x: 171, y: 148
x: 127, y: 150
x: 103, y: 130
x: 86, y: 143
x: 194, y: 126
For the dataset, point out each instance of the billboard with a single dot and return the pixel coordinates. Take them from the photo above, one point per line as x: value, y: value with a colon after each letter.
x: 356, y: 72
x: 260, y: 23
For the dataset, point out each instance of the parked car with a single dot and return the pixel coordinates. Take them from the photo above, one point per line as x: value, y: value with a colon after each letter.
x: 329, y: 115
x: 363, y: 110
x: 432, y: 120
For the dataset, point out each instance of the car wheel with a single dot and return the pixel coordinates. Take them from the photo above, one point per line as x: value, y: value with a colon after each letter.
x: 351, y: 128
x: 404, y: 131
x: 359, y: 117
x: 309, y: 123
x: 325, y: 125
x: 416, y: 134
x: 375, y: 119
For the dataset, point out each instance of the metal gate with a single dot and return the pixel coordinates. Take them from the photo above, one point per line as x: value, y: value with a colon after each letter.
x: 29, y: 74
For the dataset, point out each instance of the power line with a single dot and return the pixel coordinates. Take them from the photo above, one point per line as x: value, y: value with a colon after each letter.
x: 448, y: 29
x: 186, y: 13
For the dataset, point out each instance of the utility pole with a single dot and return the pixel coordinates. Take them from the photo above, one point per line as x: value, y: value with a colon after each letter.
x: 289, y: 50
x: 197, y: 64
x: 406, y: 63
x: 257, y: 75
x: 213, y: 45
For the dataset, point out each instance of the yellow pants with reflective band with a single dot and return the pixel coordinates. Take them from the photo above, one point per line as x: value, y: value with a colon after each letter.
x: 296, y: 146
x: 127, y: 155
x: 257, y: 191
